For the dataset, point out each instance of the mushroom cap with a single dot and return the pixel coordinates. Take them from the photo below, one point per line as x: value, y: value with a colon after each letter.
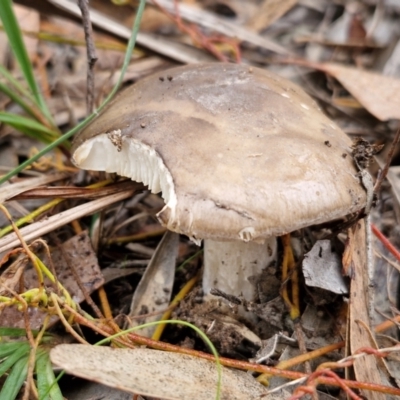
x: 238, y: 152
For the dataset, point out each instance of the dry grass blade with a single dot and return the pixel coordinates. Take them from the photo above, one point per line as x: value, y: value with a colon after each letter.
x: 37, y: 229
x: 9, y: 191
x: 68, y: 192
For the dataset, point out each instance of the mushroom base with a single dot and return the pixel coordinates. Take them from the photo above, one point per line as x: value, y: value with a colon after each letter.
x: 235, y: 267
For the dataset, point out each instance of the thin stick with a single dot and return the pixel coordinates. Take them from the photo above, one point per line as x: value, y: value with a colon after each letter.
x: 64, y: 321
x: 385, y: 241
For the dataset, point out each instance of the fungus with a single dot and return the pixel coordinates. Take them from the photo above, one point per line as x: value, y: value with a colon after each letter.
x: 239, y: 155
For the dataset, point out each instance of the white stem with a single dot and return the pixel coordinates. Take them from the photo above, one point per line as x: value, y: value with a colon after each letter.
x: 234, y: 267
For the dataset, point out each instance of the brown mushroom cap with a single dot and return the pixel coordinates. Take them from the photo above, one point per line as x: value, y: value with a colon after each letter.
x: 238, y: 152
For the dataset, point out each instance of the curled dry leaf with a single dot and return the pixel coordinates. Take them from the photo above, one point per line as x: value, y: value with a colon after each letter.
x: 157, y: 373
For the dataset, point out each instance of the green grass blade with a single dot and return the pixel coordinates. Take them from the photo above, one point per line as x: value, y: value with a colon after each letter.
x: 14, y: 35
x: 29, y: 126
x: 8, y: 348
x: 20, y: 89
x: 17, y: 92
x: 128, y: 53
x: 14, y: 96
x: 15, y: 379
x: 21, y: 332
x: 48, y: 148
x: 14, y: 332
x: 48, y: 389
x: 19, y: 353
x: 29, y: 107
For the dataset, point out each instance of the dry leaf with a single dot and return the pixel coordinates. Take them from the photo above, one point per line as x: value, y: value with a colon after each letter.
x: 153, y: 294
x: 156, y: 373
x: 379, y: 94
x: 322, y: 268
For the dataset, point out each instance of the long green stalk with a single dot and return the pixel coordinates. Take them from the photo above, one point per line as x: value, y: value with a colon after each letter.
x: 14, y: 35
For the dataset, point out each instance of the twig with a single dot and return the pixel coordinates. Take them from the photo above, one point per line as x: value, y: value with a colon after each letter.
x: 385, y: 241
x: 64, y: 321
x: 91, y: 53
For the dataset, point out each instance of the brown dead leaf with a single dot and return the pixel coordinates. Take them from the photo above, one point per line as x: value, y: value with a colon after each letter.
x: 153, y: 294
x: 379, y: 94
x: 366, y: 369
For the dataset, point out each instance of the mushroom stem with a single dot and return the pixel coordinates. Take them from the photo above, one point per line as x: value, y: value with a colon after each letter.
x: 234, y: 267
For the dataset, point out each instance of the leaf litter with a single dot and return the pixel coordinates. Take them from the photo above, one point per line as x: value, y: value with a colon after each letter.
x: 343, y: 53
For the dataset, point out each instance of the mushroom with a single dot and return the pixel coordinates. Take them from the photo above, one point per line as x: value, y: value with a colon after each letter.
x: 240, y: 156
